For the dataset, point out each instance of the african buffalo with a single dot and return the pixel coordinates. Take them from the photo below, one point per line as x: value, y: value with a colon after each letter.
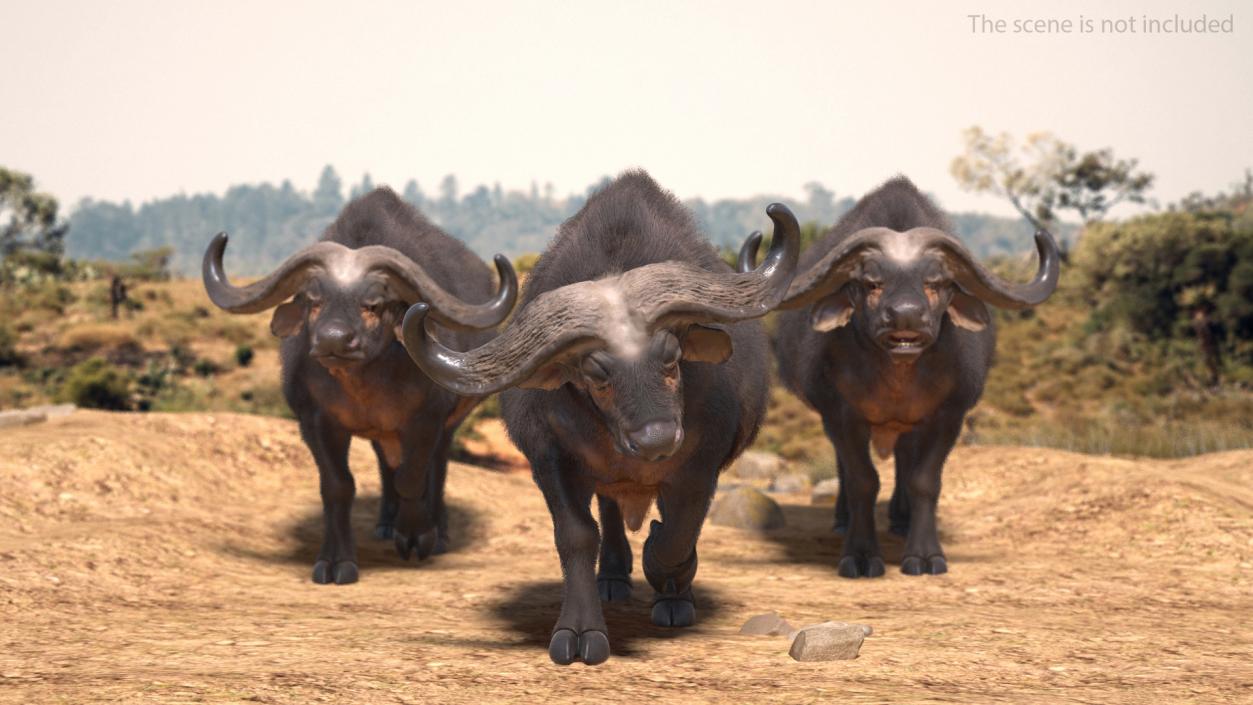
x: 345, y: 373
x: 888, y: 336
x: 641, y: 376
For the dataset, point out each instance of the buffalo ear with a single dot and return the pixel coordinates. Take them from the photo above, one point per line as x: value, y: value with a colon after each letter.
x: 968, y: 312
x: 550, y: 376
x: 706, y: 344
x: 288, y: 319
x: 832, y: 311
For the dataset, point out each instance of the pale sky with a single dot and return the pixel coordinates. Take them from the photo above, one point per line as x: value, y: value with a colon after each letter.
x: 136, y: 100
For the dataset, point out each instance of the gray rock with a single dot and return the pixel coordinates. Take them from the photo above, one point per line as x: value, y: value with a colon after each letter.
x: 756, y: 465
x: 768, y: 624
x: 790, y: 483
x: 746, y: 508
x: 825, y: 492
x: 829, y: 641
x: 21, y: 417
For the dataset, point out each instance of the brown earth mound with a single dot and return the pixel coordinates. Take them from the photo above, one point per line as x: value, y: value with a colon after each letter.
x: 166, y: 558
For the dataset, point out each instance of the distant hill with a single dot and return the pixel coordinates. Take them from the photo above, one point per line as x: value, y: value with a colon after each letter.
x: 268, y: 222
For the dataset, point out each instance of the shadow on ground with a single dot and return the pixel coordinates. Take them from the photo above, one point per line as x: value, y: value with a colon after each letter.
x: 809, y: 536
x: 465, y: 527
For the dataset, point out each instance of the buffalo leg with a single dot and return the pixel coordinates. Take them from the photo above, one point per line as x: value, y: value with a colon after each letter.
x: 926, y: 448
x: 841, y: 502
x: 437, y: 476
x: 337, y: 560
x: 859, y: 482
x: 389, y: 503
x: 613, y: 574
x: 898, y: 506
x: 580, y: 632
x: 670, y: 551
x: 416, y: 528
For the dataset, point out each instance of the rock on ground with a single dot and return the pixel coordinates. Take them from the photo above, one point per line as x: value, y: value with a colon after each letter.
x: 825, y: 492
x: 768, y: 624
x: 757, y: 465
x: 746, y: 508
x: 790, y: 483
x: 829, y: 641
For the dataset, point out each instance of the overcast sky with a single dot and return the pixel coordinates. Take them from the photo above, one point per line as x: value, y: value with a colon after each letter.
x: 137, y: 100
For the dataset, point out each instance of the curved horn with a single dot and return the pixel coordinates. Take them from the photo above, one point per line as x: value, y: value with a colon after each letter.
x: 446, y: 308
x: 668, y: 291
x: 555, y: 323
x: 269, y: 291
x: 748, y: 253
x: 977, y: 281
x: 833, y: 270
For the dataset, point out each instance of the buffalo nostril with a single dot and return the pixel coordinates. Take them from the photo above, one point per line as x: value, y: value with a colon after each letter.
x: 655, y: 440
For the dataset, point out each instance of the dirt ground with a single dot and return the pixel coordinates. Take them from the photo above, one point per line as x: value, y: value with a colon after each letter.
x: 166, y: 558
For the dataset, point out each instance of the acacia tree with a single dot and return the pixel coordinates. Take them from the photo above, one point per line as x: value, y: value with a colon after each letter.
x: 32, y: 217
x: 1045, y: 175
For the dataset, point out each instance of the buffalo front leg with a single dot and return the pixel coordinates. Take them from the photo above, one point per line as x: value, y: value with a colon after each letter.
x: 436, y: 478
x: 580, y: 632
x: 613, y: 573
x: 337, y: 560
x: 670, y: 550
x: 389, y: 502
x: 921, y: 454
x: 416, y: 522
x: 859, y: 485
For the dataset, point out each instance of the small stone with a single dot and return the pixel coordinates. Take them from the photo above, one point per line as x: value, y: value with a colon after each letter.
x: 768, y: 624
x: 825, y: 492
x: 757, y: 465
x: 746, y: 508
x: 829, y: 641
x: 21, y: 417
x: 790, y: 483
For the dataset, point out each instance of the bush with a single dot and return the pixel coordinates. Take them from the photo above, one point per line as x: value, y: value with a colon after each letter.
x: 8, y: 347
x: 205, y: 367
x: 243, y: 355
x: 95, y: 384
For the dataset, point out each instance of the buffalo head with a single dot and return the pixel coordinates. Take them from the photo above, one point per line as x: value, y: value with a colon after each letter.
x: 351, y: 300
x: 896, y: 287
x: 619, y: 340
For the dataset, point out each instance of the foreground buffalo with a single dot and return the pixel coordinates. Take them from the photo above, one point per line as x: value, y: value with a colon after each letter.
x: 891, y: 342
x: 631, y: 391
x: 345, y: 374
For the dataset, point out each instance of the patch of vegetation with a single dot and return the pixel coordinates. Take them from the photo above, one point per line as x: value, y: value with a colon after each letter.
x: 96, y: 384
x: 244, y: 355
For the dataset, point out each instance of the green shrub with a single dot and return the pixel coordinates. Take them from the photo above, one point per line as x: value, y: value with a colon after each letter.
x: 96, y: 384
x: 243, y: 355
x: 205, y: 367
x: 8, y: 347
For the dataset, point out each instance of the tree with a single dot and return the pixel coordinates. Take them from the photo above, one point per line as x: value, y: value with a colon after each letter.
x: 448, y: 190
x: 328, y: 198
x: 413, y: 193
x: 32, y: 217
x: 1046, y: 175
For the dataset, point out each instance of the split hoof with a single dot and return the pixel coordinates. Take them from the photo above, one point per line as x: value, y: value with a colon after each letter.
x: 914, y: 565
x: 341, y: 573
x: 590, y: 647
x: 614, y: 589
x: 422, y: 544
x: 674, y: 611
x: 382, y: 532
x: 861, y: 567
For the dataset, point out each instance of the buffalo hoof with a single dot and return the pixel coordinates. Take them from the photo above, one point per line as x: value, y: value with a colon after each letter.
x: 441, y: 545
x: 861, y: 567
x: 382, y: 532
x: 590, y: 647
x: 674, y: 611
x: 614, y: 589
x: 422, y: 544
x: 913, y: 565
x: 341, y: 573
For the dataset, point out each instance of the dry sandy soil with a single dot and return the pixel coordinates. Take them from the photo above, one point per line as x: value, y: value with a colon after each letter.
x: 166, y: 558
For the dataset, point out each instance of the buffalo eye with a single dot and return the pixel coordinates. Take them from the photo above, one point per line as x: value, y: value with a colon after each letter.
x: 374, y: 306
x: 671, y: 353
x: 873, y: 286
x: 596, y: 370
